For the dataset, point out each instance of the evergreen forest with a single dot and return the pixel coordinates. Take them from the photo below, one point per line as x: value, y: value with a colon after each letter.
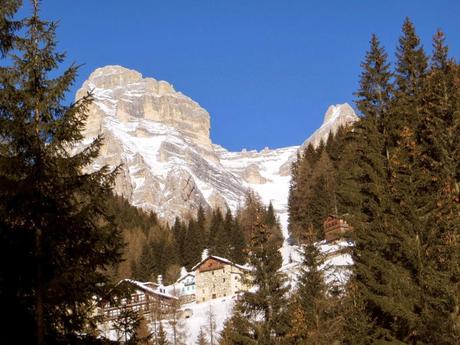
x: 66, y: 239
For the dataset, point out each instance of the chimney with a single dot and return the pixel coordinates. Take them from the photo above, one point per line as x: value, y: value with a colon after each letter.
x: 160, y: 280
x: 205, y: 254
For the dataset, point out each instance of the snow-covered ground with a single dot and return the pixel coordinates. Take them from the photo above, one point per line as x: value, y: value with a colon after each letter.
x: 220, y: 307
x: 336, y: 268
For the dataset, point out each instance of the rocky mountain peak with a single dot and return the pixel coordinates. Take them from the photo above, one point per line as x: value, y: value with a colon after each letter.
x: 126, y: 96
x: 112, y: 76
x: 335, y: 116
x: 115, y: 76
x: 337, y: 111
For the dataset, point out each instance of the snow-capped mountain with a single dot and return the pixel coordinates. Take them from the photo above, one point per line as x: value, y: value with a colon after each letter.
x: 268, y: 172
x: 169, y: 164
x: 336, y: 116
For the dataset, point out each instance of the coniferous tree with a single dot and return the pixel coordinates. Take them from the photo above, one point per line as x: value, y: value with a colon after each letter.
x: 237, y: 329
x: 54, y: 222
x: 265, y: 308
x: 411, y: 69
x: 201, y: 339
x: 273, y: 225
x: 403, y: 205
x: 380, y: 278
x: 323, y: 201
x: 316, y: 316
x: 436, y: 201
x: 300, y: 192
x: 8, y: 25
x: 444, y: 84
x: 162, y: 253
x: 201, y: 223
x: 194, y: 244
x: 143, y: 268
x: 225, y: 337
x: 237, y: 243
x: 336, y: 145
x: 228, y: 249
x: 247, y: 214
x: 161, y: 337
x: 419, y: 184
x: 218, y: 235
x: 179, y: 234
x: 270, y: 217
x: 312, y: 191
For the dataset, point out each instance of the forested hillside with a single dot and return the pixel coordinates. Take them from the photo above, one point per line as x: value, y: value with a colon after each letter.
x: 154, y: 248
x: 394, y: 176
x: 313, y: 189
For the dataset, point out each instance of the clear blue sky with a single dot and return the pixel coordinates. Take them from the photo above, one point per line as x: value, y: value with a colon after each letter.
x: 266, y: 70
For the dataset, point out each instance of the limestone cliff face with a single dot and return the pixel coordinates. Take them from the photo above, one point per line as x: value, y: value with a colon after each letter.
x: 169, y: 165
x: 130, y: 97
x: 161, y: 139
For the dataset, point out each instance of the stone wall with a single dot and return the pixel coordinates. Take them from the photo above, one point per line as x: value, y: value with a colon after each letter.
x: 224, y: 281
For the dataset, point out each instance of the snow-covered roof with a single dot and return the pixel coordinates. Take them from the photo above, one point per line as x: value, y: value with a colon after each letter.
x: 224, y: 260
x: 150, y: 284
x: 185, y: 276
x: 144, y: 287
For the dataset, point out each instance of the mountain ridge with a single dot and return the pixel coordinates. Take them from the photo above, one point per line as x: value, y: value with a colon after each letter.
x: 169, y: 163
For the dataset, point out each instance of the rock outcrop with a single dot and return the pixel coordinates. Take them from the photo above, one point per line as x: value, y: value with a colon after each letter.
x: 336, y: 116
x: 127, y: 96
x: 161, y: 139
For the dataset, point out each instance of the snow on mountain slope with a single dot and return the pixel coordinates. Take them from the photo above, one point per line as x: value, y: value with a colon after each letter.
x: 169, y: 164
x: 161, y: 138
x: 266, y: 173
x: 220, y: 307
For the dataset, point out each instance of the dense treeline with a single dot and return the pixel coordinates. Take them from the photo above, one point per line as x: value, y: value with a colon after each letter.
x: 394, y: 176
x: 137, y: 227
x: 313, y: 189
x: 400, y: 186
x: 156, y: 249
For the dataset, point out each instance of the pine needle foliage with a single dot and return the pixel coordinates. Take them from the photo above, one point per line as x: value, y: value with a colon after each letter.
x: 400, y: 188
x: 262, y: 313
x: 54, y: 224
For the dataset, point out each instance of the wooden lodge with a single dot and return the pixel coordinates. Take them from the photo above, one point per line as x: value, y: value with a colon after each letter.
x: 141, y: 297
x: 335, y: 228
